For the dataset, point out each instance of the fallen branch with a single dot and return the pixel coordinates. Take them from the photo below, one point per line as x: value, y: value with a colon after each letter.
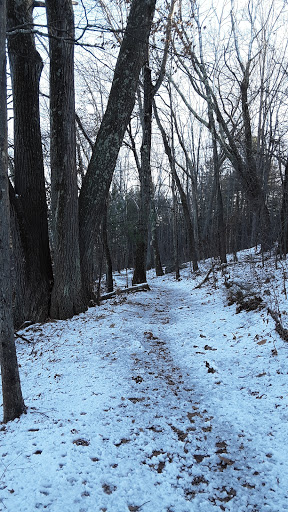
x: 17, y: 335
x: 136, y: 288
x: 205, y: 278
x: 25, y: 324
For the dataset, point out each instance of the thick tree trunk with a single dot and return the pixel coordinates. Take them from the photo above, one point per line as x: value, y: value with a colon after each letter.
x: 66, y: 298
x: 26, y: 66
x: 13, y: 403
x: 22, y: 300
x: 121, y: 102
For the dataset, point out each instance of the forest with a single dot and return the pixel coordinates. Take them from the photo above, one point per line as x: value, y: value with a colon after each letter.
x: 134, y: 134
x: 143, y: 255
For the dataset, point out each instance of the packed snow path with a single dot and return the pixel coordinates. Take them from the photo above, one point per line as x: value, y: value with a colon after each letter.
x: 159, y: 401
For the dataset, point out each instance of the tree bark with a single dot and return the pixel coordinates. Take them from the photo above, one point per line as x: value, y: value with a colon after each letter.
x: 13, y: 403
x: 283, y: 238
x: 157, y: 258
x: 146, y: 184
x: 66, y: 298
x: 109, y: 267
x: 121, y: 102
x: 21, y: 288
x: 141, y: 233
x: 220, y: 228
x: 30, y: 196
x: 175, y: 231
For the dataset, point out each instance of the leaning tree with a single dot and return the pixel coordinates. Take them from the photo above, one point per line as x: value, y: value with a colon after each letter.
x: 97, y: 181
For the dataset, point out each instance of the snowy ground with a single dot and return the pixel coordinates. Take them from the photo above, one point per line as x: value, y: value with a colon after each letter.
x: 161, y: 401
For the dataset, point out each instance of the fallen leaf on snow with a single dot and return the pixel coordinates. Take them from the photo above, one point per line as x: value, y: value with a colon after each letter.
x: 199, y: 458
x: 123, y: 441
x: 225, y: 460
x: 108, y: 489
x: 81, y: 442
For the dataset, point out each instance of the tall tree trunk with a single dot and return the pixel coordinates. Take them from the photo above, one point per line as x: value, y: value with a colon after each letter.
x: 146, y: 184
x: 193, y: 178
x: 26, y: 66
x: 20, y: 271
x: 184, y: 202
x: 141, y: 234
x: 66, y: 298
x: 255, y: 191
x: 157, y: 258
x: 121, y: 102
x: 283, y: 238
x: 109, y: 267
x: 220, y: 227
x: 175, y: 231
x: 13, y: 403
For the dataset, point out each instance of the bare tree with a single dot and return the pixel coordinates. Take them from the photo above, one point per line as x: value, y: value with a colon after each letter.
x: 225, y: 76
x: 13, y: 403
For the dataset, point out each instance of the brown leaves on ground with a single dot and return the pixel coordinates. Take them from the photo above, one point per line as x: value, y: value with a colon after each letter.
x: 81, y: 442
x: 123, y: 441
x: 108, y: 489
x: 150, y: 336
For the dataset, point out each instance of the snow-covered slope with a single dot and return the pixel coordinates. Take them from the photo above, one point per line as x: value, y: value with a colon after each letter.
x: 160, y: 401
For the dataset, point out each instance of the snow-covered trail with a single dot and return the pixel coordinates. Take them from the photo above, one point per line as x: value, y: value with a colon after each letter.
x: 217, y: 462
x: 154, y: 402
